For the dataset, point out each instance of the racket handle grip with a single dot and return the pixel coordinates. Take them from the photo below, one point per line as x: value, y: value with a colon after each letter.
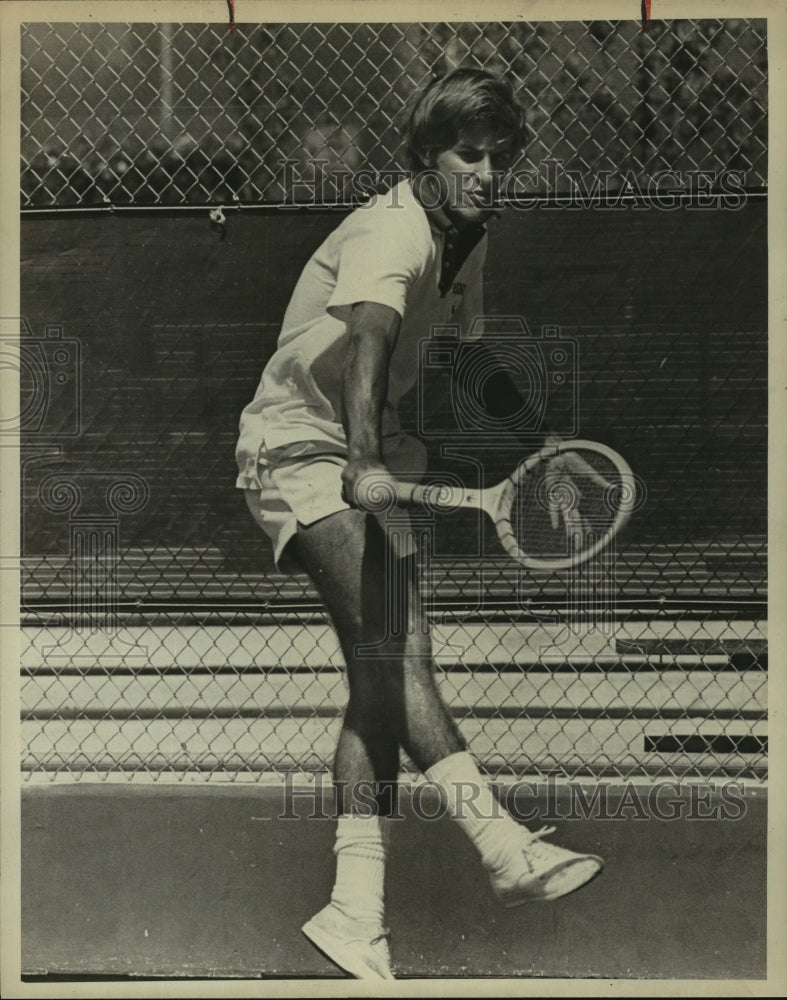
x: 433, y: 496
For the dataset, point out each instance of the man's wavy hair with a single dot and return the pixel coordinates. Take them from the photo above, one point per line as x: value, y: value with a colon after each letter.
x: 450, y: 104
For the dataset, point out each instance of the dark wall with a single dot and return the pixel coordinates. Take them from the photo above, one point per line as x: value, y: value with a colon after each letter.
x: 173, y: 324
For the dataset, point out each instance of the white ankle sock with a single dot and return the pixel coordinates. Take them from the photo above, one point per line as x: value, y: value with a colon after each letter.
x: 361, y: 849
x: 471, y: 803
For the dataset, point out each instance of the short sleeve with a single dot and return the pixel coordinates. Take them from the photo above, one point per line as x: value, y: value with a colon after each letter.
x: 380, y: 257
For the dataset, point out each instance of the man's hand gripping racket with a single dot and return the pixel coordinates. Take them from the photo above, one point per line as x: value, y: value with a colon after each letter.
x: 557, y: 509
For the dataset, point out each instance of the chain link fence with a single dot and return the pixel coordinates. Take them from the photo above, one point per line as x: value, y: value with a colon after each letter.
x: 186, y: 114
x: 160, y: 637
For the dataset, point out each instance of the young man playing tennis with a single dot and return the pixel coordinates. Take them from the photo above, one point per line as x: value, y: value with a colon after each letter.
x: 324, y: 423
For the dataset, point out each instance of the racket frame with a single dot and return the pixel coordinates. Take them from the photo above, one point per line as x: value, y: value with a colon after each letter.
x: 497, y: 501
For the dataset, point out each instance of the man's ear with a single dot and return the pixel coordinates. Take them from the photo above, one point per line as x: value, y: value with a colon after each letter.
x: 427, y: 158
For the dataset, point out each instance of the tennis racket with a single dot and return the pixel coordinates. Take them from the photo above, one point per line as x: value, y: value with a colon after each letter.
x: 557, y: 509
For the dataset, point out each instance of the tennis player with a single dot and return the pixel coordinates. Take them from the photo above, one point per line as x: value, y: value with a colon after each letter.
x: 323, y: 421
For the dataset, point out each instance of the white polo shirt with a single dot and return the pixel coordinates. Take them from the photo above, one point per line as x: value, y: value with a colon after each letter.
x: 389, y: 251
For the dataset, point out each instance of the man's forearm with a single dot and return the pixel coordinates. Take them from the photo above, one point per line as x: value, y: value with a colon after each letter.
x: 365, y: 385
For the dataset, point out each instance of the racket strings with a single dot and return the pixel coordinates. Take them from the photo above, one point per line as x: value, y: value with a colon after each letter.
x: 565, y: 506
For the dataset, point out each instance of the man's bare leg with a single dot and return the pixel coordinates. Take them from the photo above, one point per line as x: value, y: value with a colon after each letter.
x: 350, y: 562
x: 393, y: 699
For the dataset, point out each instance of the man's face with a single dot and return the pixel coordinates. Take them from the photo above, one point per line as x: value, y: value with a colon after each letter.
x: 471, y: 171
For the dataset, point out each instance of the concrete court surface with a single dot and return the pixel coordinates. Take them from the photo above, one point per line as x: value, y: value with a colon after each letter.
x: 204, y: 880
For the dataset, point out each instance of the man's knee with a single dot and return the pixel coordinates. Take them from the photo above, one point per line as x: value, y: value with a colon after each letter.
x: 393, y: 651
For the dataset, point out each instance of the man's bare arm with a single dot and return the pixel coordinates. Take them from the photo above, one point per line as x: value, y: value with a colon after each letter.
x: 372, y: 329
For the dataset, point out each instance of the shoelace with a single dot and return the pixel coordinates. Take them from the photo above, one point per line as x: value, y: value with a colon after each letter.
x: 545, y: 831
x: 384, y: 935
x: 537, y: 851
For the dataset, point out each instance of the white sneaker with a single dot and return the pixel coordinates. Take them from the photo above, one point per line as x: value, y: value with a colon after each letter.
x: 541, y: 871
x: 360, y: 949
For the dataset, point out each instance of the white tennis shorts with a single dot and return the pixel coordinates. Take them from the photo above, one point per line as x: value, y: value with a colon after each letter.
x: 301, y: 484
